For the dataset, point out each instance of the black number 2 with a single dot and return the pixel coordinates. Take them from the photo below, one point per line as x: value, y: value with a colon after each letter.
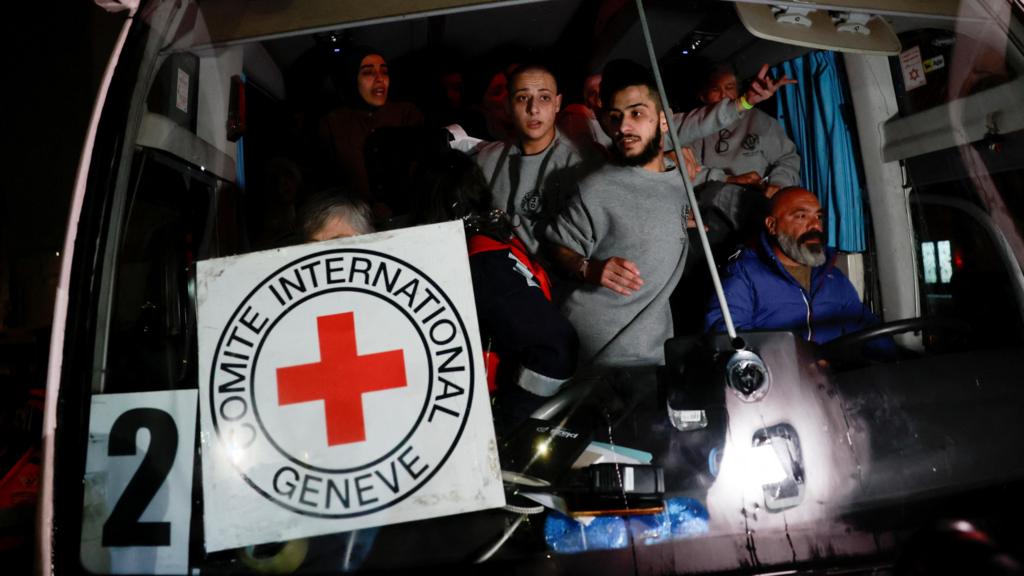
x: 123, y: 527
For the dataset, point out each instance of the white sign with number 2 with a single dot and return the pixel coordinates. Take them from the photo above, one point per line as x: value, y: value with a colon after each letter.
x: 137, y: 504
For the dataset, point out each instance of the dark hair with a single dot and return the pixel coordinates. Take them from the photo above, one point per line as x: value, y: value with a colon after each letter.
x: 621, y: 74
x: 531, y: 66
x: 711, y: 70
x: 483, y: 69
x: 451, y: 187
x: 333, y: 203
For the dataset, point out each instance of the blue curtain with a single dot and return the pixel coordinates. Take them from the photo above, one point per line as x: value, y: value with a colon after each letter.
x: 811, y: 113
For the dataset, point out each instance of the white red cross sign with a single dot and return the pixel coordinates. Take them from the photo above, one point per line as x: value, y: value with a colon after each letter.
x: 342, y: 387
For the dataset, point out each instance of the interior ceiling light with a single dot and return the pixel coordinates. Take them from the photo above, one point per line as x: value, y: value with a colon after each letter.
x: 793, y: 15
x: 852, y: 22
x: 695, y: 41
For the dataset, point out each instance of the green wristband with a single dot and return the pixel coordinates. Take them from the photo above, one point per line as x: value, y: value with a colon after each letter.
x: 743, y: 102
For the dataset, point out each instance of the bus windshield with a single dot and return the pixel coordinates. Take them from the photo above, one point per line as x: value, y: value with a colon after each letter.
x: 616, y: 287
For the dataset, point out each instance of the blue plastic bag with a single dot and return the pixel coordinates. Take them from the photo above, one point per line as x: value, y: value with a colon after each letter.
x: 682, y: 518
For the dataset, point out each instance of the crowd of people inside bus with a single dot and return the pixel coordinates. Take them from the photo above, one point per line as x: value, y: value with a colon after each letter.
x: 577, y: 219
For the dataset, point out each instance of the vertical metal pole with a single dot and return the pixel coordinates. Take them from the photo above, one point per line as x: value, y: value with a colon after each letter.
x: 712, y: 268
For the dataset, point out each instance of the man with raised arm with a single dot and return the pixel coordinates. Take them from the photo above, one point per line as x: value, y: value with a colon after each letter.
x: 533, y: 174
x: 752, y: 151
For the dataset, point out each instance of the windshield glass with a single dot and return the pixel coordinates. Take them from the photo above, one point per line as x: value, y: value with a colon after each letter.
x: 379, y: 290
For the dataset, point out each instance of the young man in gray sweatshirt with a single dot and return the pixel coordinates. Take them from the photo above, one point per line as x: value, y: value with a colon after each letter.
x: 752, y: 151
x: 623, y: 236
x: 534, y: 174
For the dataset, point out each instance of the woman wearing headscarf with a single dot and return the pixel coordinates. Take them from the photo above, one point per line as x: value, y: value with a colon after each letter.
x: 366, y: 109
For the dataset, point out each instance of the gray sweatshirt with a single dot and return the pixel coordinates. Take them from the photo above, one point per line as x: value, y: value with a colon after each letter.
x: 638, y: 215
x: 537, y: 187
x: 534, y: 187
x: 755, y: 143
x: 704, y: 121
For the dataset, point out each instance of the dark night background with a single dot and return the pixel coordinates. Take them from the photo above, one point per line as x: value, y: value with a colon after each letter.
x: 55, y: 65
x: 54, y: 58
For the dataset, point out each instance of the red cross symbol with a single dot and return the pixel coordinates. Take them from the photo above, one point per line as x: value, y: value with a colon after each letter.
x: 340, y: 378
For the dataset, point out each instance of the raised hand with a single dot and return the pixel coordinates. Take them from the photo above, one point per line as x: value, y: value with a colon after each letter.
x: 763, y: 87
x: 692, y: 166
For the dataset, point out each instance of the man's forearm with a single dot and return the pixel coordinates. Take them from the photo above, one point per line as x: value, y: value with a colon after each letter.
x: 568, y: 260
x: 616, y: 274
x: 704, y: 121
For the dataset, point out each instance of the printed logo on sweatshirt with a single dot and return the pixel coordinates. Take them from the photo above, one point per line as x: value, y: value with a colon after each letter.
x: 750, y: 141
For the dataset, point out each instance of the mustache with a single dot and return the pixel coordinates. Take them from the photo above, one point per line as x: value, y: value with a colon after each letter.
x: 811, y: 235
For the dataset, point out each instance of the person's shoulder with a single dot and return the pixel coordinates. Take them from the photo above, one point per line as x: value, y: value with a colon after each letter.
x: 402, y: 107
x: 496, y: 257
x: 398, y: 114
x: 838, y: 286
x: 567, y: 149
x: 497, y: 273
x: 584, y: 155
x: 746, y: 261
x: 489, y: 151
x: 337, y: 115
x: 576, y: 108
x: 744, y: 256
x: 605, y: 177
x: 758, y: 116
x: 613, y: 170
x: 833, y: 272
x: 492, y: 147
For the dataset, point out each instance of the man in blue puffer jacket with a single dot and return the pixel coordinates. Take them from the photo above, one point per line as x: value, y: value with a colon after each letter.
x: 789, y: 281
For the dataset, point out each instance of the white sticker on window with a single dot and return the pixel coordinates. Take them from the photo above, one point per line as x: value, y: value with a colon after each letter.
x: 628, y: 482
x: 936, y: 63
x: 913, y: 70
x: 181, y: 101
x: 137, y: 505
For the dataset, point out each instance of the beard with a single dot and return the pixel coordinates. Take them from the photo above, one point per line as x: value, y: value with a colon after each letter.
x: 799, y: 250
x: 649, y: 152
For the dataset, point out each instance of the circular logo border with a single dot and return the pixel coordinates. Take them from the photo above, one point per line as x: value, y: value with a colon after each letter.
x: 469, y: 389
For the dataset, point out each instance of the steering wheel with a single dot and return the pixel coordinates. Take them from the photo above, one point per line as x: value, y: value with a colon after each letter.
x: 848, y: 346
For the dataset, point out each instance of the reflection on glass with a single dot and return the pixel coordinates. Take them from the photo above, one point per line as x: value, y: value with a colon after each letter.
x: 764, y: 465
x: 928, y: 260
x: 945, y: 262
